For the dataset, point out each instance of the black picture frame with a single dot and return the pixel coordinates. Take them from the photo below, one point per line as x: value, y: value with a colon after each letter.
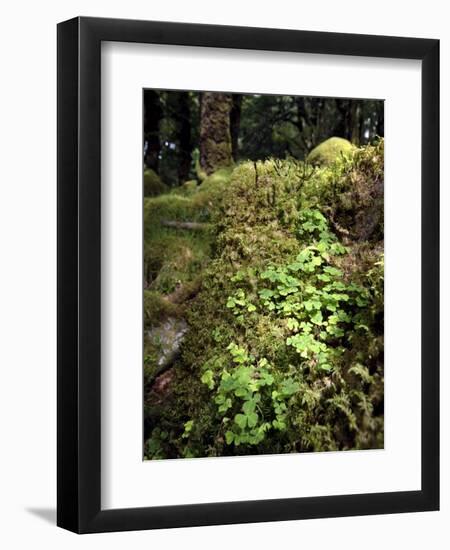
x: 79, y: 277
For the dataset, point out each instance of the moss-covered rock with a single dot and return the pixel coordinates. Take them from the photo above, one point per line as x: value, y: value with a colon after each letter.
x: 178, y: 233
x: 356, y: 207
x: 255, y: 297
x: 327, y: 152
x: 216, y: 182
x: 153, y: 186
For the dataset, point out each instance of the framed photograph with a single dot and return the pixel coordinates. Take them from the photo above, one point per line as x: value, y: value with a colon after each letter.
x: 248, y: 275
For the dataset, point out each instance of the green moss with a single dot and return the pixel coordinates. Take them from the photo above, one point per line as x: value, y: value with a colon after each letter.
x: 157, y: 308
x: 201, y: 174
x: 191, y: 202
x: 327, y: 152
x: 261, y: 214
x: 153, y: 185
x: 189, y: 187
x: 217, y: 181
x: 175, y: 256
x: 356, y: 203
x: 167, y: 207
x: 219, y: 154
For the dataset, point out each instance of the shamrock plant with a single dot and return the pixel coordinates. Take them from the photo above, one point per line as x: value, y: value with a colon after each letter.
x: 310, y: 293
x: 250, y: 399
x: 320, y: 311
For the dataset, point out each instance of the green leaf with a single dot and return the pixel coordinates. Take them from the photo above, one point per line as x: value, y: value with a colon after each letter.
x: 187, y: 428
x: 208, y: 379
x: 265, y: 293
x: 325, y: 366
x: 229, y: 437
x: 317, y: 318
x: 267, y: 379
x: 225, y: 405
x: 241, y: 420
x: 289, y: 387
x: 249, y: 407
x: 292, y: 323
x: 252, y: 419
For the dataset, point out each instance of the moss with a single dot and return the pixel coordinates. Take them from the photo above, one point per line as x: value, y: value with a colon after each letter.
x: 329, y: 151
x: 190, y: 187
x: 172, y: 259
x: 157, y: 308
x: 356, y: 207
x: 256, y: 210
x: 200, y: 173
x: 153, y: 185
x: 176, y: 256
x: 167, y: 207
x: 217, y: 181
x: 221, y: 156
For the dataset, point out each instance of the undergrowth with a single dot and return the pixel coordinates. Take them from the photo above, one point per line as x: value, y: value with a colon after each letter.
x: 283, y: 297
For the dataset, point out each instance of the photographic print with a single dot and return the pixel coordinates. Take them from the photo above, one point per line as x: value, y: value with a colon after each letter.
x: 263, y: 296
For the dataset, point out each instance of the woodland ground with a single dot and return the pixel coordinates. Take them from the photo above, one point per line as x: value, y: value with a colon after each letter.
x: 263, y: 307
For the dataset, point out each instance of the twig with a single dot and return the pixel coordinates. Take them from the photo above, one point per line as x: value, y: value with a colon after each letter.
x: 185, y: 225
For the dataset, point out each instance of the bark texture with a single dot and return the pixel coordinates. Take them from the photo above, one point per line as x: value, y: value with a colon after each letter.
x: 215, y: 136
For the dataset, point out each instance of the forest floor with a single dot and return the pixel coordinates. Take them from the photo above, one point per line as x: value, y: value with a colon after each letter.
x: 263, y: 309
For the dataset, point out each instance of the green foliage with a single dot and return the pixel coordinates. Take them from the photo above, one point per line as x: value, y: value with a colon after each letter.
x: 284, y: 351
x: 322, y: 313
x: 251, y: 400
x: 157, y: 308
x: 153, y: 185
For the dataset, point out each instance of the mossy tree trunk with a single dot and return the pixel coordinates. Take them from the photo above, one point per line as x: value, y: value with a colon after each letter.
x: 153, y: 114
x: 215, y: 135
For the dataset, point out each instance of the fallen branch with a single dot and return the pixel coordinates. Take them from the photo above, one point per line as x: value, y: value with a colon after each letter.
x: 185, y: 225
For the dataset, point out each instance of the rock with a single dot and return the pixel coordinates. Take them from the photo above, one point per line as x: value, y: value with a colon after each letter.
x: 329, y: 150
x: 168, y: 337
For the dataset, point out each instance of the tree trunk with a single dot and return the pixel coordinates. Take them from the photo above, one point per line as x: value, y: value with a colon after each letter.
x: 380, y: 119
x: 356, y: 122
x: 215, y: 136
x: 184, y: 137
x: 343, y: 128
x: 152, y: 116
x: 235, y: 122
